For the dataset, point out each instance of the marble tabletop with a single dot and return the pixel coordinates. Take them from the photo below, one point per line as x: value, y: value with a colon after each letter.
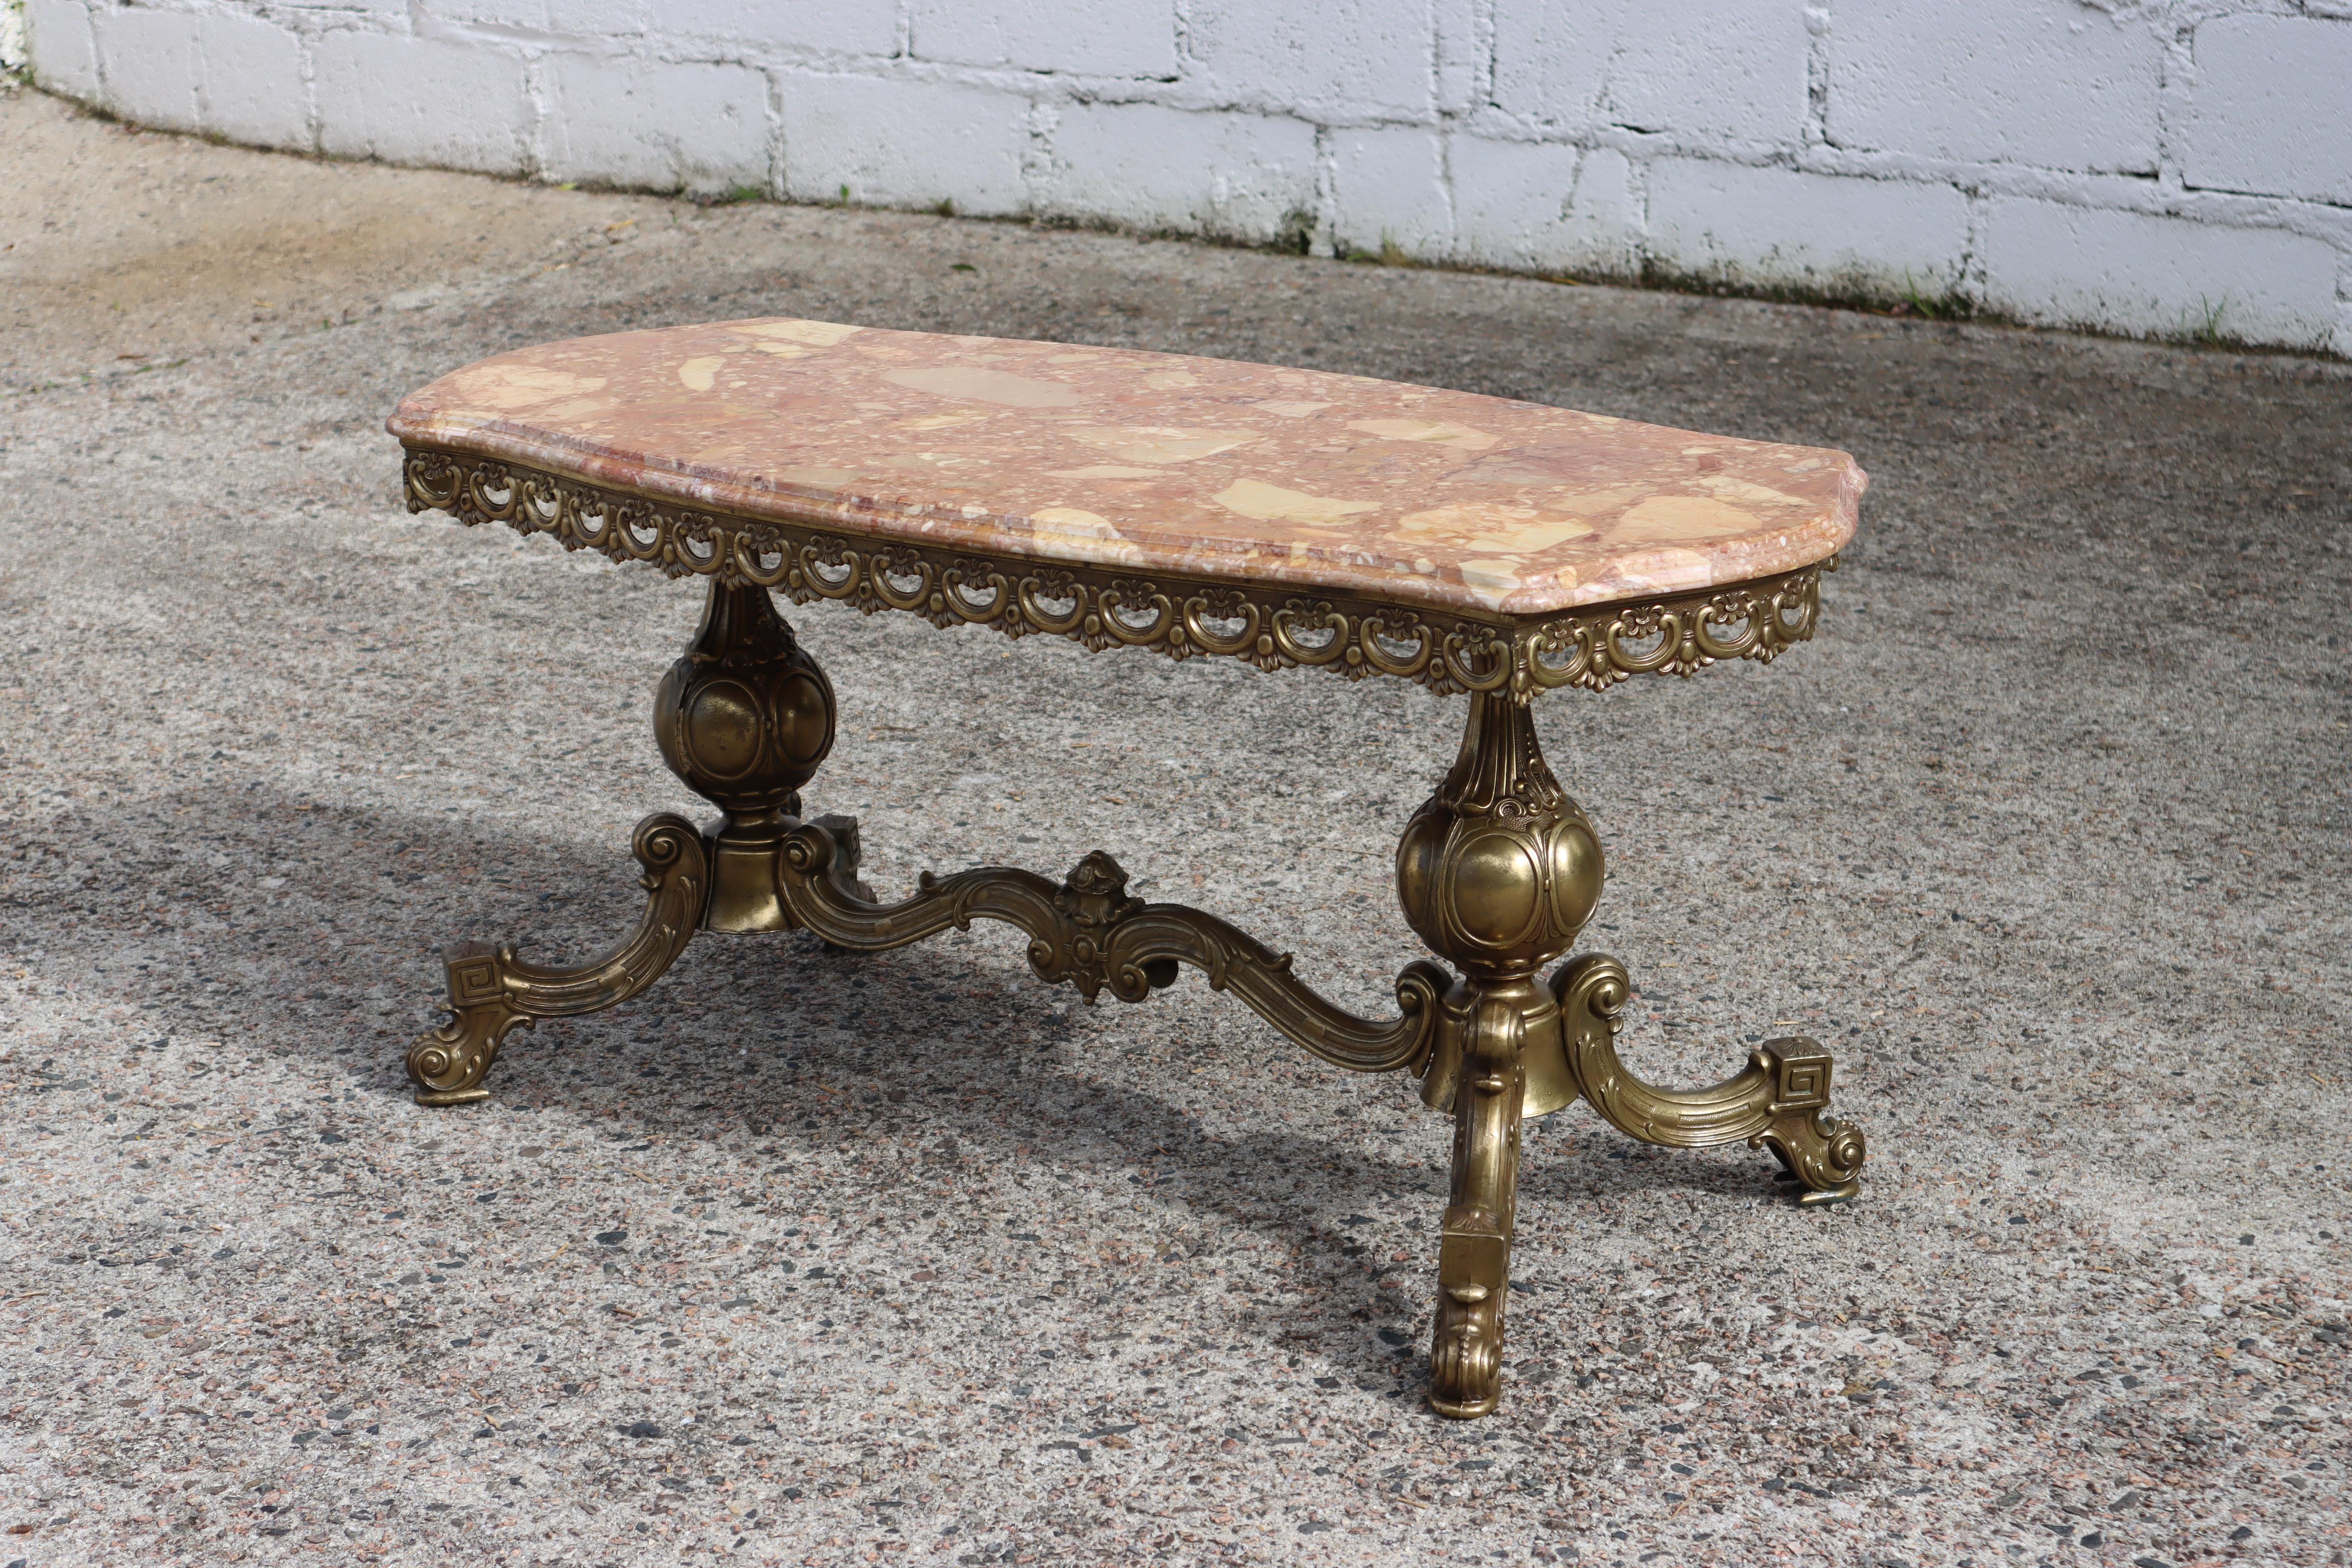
x: 1115, y: 458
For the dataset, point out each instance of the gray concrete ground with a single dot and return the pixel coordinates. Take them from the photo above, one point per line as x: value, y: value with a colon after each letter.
x: 813, y: 1258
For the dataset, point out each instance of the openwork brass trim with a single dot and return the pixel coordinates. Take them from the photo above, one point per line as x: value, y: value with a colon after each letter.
x: 1271, y: 626
x: 1088, y: 933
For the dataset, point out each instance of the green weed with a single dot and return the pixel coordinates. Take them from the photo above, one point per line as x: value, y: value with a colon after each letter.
x: 2207, y: 329
x: 1934, y: 309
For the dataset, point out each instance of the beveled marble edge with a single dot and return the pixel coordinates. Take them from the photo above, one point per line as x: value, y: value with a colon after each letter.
x: 918, y: 524
x: 1445, y: 650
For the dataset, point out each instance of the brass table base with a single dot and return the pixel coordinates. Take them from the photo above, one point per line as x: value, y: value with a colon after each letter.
x: 1496, y: 872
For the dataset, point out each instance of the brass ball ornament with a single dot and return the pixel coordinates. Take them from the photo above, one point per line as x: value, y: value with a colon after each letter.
x: 745, y: 716
x: 1498, y: 870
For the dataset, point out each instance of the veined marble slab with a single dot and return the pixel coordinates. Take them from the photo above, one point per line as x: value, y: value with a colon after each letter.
x: 1115, y: 458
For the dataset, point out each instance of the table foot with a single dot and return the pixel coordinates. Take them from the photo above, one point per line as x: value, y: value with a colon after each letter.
x: 492, y: 992
x: 1781, y: 1102
x: 1473, y: 1252
x: 744, y: 717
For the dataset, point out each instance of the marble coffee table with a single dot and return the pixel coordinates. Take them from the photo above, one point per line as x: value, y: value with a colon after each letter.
x: 1193, y: 507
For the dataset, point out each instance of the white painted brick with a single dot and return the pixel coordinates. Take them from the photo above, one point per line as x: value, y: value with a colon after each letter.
x: 1388, y: 188
x: 1330, y: 57
x: 525, y: 16
x: 625, y: 21
x: 1542, y: 207
x: 1552, y: 57
x: 1088, y: 38
x: 2251, y: 123
x: 1240, y: 175
x: 64, y: 52
x: 700, y: 128
x: 1750, y: 58
x: 149, y: 58
x: 1629, y: 133
x: 792, y: 27
x: 1696, y: 68
x: 2046, y: 82
x: 250, y: 86
x: 557, y: 22
x: 1777, y: 226
x: 421, y: 100
x: 897, y: 142
x: 552, y: 21
x: 2132, y: 272
x: 1459, y: 55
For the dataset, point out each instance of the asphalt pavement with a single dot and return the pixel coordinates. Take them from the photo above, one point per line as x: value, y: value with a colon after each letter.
x: 812, y: 1258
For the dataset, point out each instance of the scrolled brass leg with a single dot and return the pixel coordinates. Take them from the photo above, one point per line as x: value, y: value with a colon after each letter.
x: 1816, y: 1150
x: 447, y: 1064
x: 1780, y: 1102
x: 1474, y: 1256
x: 491, y: 991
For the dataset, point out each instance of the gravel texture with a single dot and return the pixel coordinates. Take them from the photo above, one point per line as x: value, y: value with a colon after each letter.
x: 811, y: 1258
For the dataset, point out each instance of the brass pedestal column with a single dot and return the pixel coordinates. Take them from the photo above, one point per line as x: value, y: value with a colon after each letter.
x: 744, y: 717
x: 1497, y: 873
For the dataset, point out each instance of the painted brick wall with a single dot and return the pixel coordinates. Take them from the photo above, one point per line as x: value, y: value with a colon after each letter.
x: 2171, y: 168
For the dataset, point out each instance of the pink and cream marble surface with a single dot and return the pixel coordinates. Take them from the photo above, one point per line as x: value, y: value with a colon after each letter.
x: 1155, y: 462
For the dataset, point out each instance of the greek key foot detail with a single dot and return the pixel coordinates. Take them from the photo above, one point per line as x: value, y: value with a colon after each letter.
x: 491, y: 992
x: 1781, y: 1101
